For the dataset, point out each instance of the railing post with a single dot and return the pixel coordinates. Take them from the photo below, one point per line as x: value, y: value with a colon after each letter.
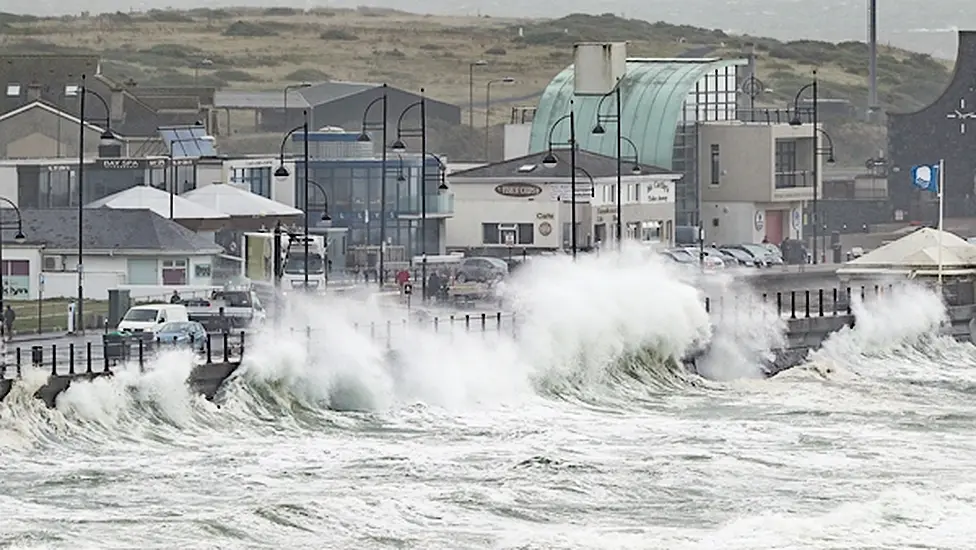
x: 792, y: 304
x: 862, y: 293
x: 498, y: 316
x: 226, y: 349
x: 849, y: 310
x: 779, y: 304
x: 806, y: 302
x: 88, y: 360
x: 389, y: 334
x: 484, y: 323
x: 514, y: 327
x: 467, y: 322
x: 141, y: 357
x: 835, y: 302
x: 242, y: 345
x: 54, y: 359
x: 436, y: 323
x: 708, y: 305
x: 372, y: 330
x: 105, y: 354
x: 209, y: 348
x: 820, y: 301
x: 71, y: 358
x: 18, y: 362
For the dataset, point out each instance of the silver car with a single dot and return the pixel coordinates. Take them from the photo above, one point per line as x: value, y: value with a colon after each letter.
x: 481, y: 269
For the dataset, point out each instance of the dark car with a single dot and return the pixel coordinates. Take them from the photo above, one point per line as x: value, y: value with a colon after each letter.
x: 183, y: 333
x: 481, y: 269
x: 742, y: 257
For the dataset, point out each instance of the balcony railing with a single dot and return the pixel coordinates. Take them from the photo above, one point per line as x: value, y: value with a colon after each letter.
x: 437, y: 205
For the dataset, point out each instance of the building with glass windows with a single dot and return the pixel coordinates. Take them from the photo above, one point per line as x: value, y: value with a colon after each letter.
x: 351, y: 175
x: 743, y: 180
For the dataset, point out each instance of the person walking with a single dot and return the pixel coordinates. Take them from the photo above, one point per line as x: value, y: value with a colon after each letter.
x: 9, y: 316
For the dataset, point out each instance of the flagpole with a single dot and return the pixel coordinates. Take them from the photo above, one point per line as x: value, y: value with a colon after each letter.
x: 941, y: 215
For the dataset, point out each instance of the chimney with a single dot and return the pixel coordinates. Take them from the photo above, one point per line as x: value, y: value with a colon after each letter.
x: 33, y: 91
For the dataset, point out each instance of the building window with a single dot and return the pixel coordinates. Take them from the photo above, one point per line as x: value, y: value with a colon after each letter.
x: 509, y: 234
x: 202, y: 271
x: 786, y: 173
x: 57, y: 189
x: 651, y: 232
x: 16, y: 278
x: 716, y: 164
x: 13, y: 90
x: 255, y: 180
x: 142, y: 272
x: 174, y: 272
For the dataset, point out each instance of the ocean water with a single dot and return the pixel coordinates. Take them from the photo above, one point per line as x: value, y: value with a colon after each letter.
x: 928, y: 27
x: 578, y: 433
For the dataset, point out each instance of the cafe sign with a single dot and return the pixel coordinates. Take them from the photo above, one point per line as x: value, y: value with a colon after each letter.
x: 659, y: 191
x: 518, y: 190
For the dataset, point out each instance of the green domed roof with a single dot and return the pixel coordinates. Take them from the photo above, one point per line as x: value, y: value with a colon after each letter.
x: 653, y: 92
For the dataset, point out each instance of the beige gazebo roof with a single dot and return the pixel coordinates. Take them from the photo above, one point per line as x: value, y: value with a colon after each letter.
x: 917, y: 254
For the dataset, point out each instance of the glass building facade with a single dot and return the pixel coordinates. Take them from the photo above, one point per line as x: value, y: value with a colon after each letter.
x: 56, y: 185
x: 355, y: 199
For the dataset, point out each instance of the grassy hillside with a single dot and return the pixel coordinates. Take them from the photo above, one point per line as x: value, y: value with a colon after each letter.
x: 268, y: 48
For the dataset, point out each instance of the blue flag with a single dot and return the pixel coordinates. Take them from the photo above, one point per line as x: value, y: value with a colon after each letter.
x: 926, y: 177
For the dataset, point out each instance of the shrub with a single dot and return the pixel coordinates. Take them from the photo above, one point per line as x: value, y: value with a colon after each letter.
x: 307, y: 75
x: 496, y: 50
x: 168, y: 16
x: 245, y: 29
x: 234, y: 75
x: 281, y: 12
x: 337, y: 34
x: 431, y: 47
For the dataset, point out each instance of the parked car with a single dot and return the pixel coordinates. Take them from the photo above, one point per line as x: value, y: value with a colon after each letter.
x: 681, y: 256
x: 183, y: 333
x: 150, y: 318
x: 481, y: 269
x: 742, y: 257
x: 713, y: 259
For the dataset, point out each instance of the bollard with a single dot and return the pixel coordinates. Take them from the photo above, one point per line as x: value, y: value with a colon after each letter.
x: 779, y: 303
x: 467, y: 322
x: 88, y: 358
x: 484, y: 322
x: 435, y: 324
x: 835, y: 302
x: 848, y: 300
x: 142, y: 365
x: 105, y: 356
x: 389, y: 334
x: 792, y: 304
x: 71, y: 359
x: 209, y: 349
x: 764, y: 297
x: 226, y: 349
x: 241, y: 346
x: 18, y: 362
x: 54, y: 359
x: 806, y: 305
x: 876, y: 290
x: 499, y: 322
x: 862, y: 293
x: 37, y: 356
x: 820, y: 302
x: 708, y: 305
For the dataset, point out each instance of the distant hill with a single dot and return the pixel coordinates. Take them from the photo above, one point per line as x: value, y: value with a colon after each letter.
x: 266, y: 48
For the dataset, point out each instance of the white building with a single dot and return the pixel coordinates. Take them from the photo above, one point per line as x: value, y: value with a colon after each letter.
x: 520, y: 204
x: 137, y: 250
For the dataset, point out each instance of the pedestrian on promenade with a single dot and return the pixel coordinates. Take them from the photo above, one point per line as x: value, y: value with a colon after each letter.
x: 9, y: 316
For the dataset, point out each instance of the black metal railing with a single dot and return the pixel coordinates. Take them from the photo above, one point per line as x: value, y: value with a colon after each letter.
x: 803, y: 304
x: 99, y: 357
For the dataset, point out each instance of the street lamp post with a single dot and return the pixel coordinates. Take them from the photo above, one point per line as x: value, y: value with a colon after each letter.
x: 282, y: 172
x: 285, y: 102
x: 796, y: 121
x: 550, y: 161
x: 616, y: 118
x: 19, y: 238
x: 83, y: 92
x: 364, y: 137
x: 506, y: 80
x: 398, y: 145
x: 471, y: 66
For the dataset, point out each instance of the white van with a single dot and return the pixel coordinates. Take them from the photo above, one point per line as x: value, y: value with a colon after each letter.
x: 148, y: 318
